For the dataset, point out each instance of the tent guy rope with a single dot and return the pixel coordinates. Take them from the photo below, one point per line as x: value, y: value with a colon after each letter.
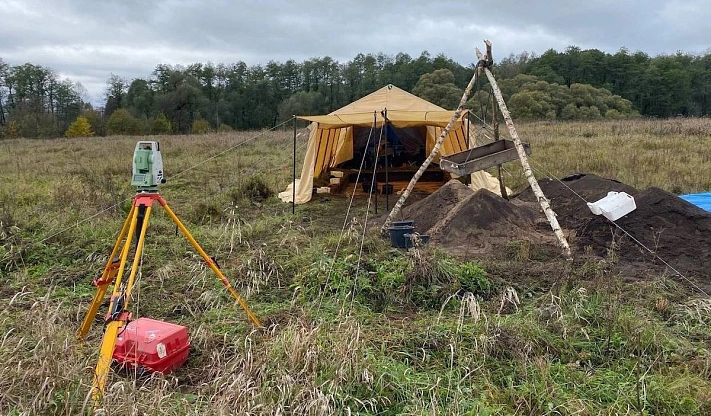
x: 365, y: 221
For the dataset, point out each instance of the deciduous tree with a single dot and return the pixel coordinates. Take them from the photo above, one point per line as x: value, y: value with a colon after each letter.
x: 79, y: 128
x: 122, y: 122
x: 438, y: 88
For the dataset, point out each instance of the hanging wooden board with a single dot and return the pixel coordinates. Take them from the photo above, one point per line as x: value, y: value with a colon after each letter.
x: 481, y: 157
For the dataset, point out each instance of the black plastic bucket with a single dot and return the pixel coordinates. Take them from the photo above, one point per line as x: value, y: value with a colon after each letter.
x: 403, y: 223
x: 397, y: 235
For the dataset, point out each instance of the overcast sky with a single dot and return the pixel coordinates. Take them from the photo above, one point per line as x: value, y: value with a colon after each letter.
x: 88, y: 40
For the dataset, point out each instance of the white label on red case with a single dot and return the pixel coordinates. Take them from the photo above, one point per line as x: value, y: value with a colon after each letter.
x: 160, y: 349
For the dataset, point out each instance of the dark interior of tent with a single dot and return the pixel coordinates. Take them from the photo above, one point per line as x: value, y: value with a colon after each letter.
x: 400, y: 146
x: 399, y: 155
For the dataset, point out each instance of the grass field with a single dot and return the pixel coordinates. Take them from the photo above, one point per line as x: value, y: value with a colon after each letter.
x: 348, y: 331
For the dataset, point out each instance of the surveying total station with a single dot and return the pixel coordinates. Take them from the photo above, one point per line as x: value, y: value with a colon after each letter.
x: 145, y: 349
x: 147, y: 167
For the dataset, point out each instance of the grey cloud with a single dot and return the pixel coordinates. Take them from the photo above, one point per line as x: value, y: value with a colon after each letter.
x: 89, y: 40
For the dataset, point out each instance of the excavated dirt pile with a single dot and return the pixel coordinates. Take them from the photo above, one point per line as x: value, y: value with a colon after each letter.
x: 469, y: 222
x: 483, y: 221
x: 428, y: 211
x: 677, y: 231
x: 573, y: 212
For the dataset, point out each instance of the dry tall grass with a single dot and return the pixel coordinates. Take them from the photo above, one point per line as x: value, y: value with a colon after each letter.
x: 606, y: 347
x: 674, y: 155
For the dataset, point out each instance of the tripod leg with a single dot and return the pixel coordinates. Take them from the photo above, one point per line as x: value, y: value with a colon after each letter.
x: 118, y: 316
x: 108, y: 276
x: 101, y: 372
x: 210, y: 263
x: 139, y: 224
x: 137, y: 256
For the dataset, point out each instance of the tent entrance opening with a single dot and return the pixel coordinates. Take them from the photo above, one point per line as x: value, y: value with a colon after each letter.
x: 394, y: 158
x: 401, y: 146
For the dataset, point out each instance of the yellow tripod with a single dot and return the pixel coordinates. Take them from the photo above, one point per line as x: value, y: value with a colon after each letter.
x: 118, y: 314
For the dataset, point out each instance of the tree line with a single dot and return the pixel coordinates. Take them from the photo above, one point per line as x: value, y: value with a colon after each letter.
x: 660, y: 86
x: 568, y: 85
x: 35, y: 102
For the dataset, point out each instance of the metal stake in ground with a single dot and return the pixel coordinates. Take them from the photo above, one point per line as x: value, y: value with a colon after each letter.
x: 293, y: 190
x: 495, y: 120
x: 550, y: 215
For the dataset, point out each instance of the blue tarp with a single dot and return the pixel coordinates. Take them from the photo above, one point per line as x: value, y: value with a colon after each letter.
x: 702, y: 201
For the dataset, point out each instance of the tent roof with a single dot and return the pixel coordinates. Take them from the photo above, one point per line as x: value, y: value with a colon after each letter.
x: 403, y: 110
x: 390, y: 97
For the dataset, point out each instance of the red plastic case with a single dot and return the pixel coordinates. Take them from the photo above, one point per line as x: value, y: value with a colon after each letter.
x: 155, y: 345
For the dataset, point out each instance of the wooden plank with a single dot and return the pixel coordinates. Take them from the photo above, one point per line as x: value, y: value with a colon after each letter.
x: 398, y: 188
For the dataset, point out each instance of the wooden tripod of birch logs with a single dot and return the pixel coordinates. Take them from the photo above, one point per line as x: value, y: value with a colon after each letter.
x: 483, y: 66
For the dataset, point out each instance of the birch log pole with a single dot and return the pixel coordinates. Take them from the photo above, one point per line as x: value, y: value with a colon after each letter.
x: 435, y: 150
x: 527, y: 171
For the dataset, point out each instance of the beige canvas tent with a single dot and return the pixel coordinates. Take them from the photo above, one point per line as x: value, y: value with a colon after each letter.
x: 335, y: 138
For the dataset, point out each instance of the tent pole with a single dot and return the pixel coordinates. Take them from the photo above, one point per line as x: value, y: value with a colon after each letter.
x: 375, y: 174
x: 374, y: 179
x: 293, y: 190
x: 387, y: 195
x: 469, y: 144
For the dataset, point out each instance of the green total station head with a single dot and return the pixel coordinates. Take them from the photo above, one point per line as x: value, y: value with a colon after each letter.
x: 147, y: 167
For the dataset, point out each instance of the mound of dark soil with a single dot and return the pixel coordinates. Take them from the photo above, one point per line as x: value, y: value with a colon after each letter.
x: 572, y: 211
x: 467, y: 222
x: 426, y: 212
x: 677, y: 231
x: 483, y: 221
